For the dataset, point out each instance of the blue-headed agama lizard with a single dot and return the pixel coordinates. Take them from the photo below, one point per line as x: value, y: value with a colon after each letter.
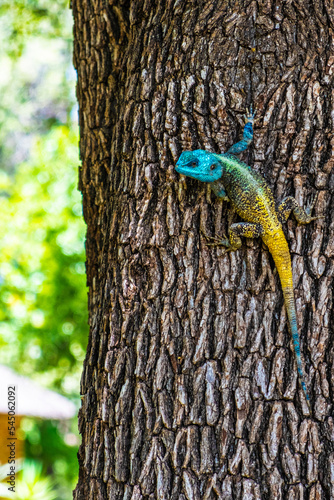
x: 252, y: 199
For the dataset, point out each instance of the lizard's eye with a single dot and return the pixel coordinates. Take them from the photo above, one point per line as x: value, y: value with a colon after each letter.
x: 193, y: 164
x: 213, y: 166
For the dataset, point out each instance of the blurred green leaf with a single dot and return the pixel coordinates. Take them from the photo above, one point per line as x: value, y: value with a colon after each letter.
x: 43, y: 296
x: 30, y: 484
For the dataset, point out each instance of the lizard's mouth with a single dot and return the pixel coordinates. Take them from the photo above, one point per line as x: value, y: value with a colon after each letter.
x: 182, y: 170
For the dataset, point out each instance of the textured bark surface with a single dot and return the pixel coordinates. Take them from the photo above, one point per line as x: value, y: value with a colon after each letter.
x: 189, y: 387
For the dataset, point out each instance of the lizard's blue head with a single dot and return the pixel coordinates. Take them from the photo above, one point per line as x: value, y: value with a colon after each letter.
x: 200, y: 165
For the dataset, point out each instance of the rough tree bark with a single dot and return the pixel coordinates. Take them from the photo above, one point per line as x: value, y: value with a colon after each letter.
x: 189, y: 387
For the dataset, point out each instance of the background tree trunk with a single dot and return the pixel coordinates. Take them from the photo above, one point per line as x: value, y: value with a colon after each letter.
x: 189, y: 388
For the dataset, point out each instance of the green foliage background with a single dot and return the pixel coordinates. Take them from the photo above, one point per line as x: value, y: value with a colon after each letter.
x: 43, y: 296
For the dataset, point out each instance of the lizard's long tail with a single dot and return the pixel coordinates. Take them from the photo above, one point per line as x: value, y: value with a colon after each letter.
x: 279, y: 249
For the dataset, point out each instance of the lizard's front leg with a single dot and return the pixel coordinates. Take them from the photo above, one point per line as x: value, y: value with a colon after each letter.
x: 303, y: 216
x: 219, y: 190
x: 247, y: 138
x: 236, y: 230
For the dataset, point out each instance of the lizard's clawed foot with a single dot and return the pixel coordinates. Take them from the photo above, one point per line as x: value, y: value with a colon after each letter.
x: 215, y: 241
x: 310, y: 205
x: 309, y: 208
x: 250, y: 115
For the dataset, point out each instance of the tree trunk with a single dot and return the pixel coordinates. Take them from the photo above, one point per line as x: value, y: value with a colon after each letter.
x: 189, y: 387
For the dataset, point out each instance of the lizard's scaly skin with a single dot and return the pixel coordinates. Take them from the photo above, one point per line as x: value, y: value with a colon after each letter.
x: 253, y: 200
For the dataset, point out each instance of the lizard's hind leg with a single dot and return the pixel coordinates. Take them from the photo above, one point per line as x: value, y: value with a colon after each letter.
x: 236, y: 230
x: 303, y: 216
